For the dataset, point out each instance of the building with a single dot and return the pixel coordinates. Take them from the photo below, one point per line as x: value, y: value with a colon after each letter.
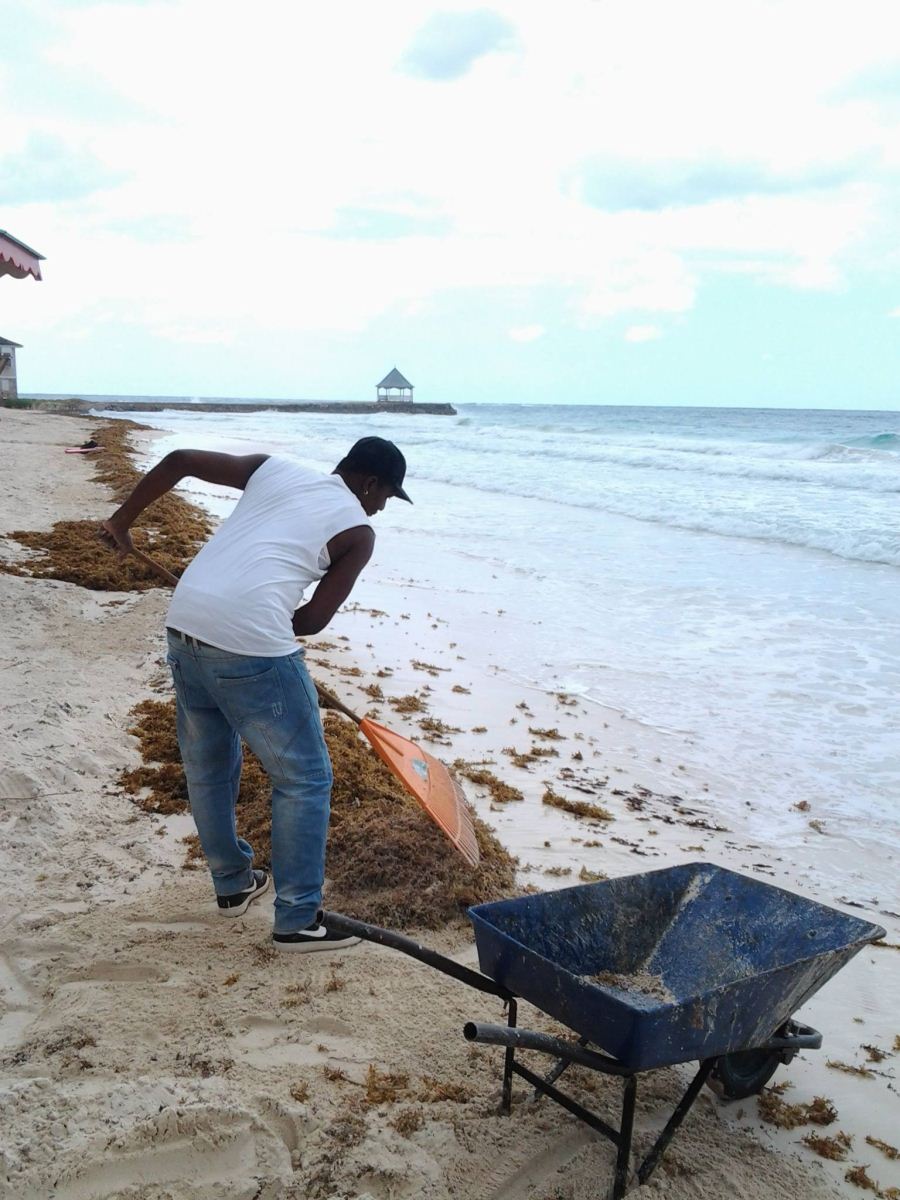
x: 394, y: 382
x: 8, y: 369
x: 17, y: 259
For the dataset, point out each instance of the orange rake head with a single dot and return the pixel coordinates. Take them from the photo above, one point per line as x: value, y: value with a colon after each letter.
x: 429, y: 782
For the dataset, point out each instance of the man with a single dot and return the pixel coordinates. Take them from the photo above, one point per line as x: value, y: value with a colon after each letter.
x: 238, y: 671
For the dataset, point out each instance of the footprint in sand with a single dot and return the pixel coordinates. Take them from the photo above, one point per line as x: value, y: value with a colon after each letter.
x: 175, y: 925
x: 215, y: 1148
x: 17, y: 1004
x: 116, y: 972
x: 267, y: 1042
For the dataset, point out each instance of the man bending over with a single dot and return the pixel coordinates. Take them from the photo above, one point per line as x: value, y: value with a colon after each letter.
x: 238, y: 671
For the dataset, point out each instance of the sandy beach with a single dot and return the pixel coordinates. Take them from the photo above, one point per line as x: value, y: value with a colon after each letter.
x: 149, y: 1050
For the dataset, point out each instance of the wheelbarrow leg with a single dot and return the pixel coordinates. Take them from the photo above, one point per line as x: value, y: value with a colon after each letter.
x: 554, y: 1073
x: 659, y: 1146
x: 626, y: 1129
x: 508, y: 1058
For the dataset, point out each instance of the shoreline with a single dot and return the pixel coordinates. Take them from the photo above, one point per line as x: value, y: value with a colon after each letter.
x: 118, y: 964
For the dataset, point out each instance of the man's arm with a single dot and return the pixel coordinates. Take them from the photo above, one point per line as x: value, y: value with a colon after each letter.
x: 230, y: 470
x: 349, y: 552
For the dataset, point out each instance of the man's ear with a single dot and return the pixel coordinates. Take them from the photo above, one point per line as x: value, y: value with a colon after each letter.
x: 370, y: 484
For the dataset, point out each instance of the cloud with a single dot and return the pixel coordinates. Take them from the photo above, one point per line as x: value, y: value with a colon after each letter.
x: 880, y: 81
x: 527, y: 333
x: 642, y: 333
x: 616, y: 184
x: 449, y: 43
x: 46, y: 169
x: 382, y: 223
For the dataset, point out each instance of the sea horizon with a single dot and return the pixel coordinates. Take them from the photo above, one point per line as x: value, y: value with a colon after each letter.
x: 238, y: 401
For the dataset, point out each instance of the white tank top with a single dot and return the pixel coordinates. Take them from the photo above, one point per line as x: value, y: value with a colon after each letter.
x: 241, y: 590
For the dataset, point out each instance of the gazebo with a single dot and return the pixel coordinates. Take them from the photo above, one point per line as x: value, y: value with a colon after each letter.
x: 17, y: 259
x: 394, y: 382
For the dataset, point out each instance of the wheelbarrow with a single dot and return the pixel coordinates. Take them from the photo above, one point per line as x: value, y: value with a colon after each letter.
x: 689, y: 963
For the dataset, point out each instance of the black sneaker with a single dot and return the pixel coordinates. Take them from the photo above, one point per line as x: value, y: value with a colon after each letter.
x: 237, y: 905
x: 314, y: 937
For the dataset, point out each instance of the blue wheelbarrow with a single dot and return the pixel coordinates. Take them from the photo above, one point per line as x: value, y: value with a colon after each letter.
x: 690, y: 963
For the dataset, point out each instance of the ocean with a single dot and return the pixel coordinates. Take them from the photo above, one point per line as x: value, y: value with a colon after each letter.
x: 726, y: 577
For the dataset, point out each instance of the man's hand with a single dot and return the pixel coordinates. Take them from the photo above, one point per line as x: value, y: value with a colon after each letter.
x: 116, y: 536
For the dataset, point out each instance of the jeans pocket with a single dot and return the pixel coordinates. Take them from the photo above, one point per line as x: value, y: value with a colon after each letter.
x: 190, y: 695
x: 253, y: 698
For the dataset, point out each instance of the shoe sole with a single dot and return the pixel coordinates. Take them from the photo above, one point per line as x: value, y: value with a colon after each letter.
x: 311, y: 947
x: 238, y: 910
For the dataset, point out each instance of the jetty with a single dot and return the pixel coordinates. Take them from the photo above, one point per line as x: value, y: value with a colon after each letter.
x: 394, y: 395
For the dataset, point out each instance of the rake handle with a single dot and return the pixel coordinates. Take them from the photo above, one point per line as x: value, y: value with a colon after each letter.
x: 326, y: 698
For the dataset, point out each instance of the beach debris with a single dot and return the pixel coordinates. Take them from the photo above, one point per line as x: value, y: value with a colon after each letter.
x: 588, y: 876
x: 862, y: 1179
x: 527, y: 759
x: 295, y: 995
x: 428, y: 668
x: 578, y: 808
x: 848, y: 1069
x: 885, y: 1147
x: 559, y: 872
x: 385, y: 1087
x: 875, y: 1053
x: 335, y: 983
x: 300, y: 1092
x: 432, y: 1091
x: 835, y: 1148
x: 502, y: 793
x: 436, y: 730
x: 775, y: 1111
x: 409, y: 1121
x: 407, y: 704
x: 460, y: 690
x: 550, y: 735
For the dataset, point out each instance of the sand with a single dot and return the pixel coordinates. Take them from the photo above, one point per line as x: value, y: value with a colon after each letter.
x: 150, y: 1050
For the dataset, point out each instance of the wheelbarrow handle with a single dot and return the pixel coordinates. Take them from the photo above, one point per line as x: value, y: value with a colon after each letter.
x: 795, y: 1036
x: 431, y: 958
x: 527, y: 1039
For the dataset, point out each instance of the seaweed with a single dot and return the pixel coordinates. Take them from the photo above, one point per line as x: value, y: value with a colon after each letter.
x: 387, y: 863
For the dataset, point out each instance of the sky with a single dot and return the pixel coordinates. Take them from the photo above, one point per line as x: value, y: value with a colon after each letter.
x: 590, y: 202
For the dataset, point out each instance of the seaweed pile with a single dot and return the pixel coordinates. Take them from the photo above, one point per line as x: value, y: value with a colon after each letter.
x: 387, y: 863
x: 171, y: 530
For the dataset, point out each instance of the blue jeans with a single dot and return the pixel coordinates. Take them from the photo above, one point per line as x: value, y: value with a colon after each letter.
x: 271, y: 703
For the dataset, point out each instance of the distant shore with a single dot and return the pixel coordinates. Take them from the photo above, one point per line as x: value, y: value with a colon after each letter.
x: 75, y: 406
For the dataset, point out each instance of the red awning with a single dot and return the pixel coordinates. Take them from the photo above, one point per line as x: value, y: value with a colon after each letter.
x: 17, y: 259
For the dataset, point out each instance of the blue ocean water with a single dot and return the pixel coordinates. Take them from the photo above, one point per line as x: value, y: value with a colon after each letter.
x: 727, y: 574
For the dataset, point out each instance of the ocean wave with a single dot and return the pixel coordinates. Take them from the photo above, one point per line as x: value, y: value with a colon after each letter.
x: 843, y: 532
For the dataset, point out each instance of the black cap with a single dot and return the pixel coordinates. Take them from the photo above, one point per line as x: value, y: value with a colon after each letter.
x: 379, y: 457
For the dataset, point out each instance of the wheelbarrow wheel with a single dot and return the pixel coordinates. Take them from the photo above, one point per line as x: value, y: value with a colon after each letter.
x: 746, y: 1072
x: 737, y: 1076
